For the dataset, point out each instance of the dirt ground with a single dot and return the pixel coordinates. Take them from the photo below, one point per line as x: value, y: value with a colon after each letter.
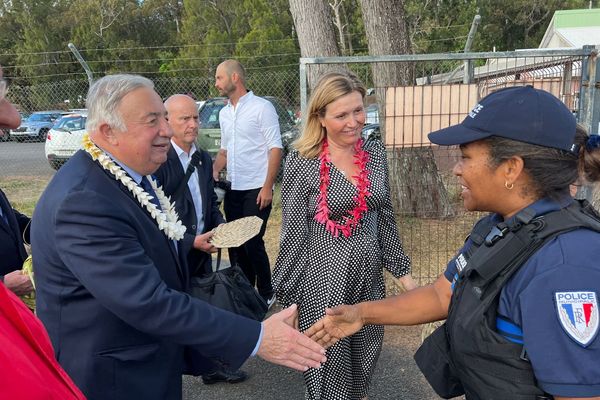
x: 396, y: 376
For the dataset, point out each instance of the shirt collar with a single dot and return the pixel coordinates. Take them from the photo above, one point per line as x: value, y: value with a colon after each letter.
x: 544, y: 206
x: 180, y: 151
x: 245, y: 98
x: 134, y: 175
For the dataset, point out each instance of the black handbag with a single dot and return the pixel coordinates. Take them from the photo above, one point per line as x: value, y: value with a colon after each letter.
x: 227, y: 288
x: 230, y: 290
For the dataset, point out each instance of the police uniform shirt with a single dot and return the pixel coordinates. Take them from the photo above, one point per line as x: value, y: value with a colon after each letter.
x: 550, y: 306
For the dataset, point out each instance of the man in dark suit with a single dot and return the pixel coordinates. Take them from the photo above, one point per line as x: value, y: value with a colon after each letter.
x: 12, y: 251
x: 110, y: 280
x: 12, y: 223
x: 195, y: 201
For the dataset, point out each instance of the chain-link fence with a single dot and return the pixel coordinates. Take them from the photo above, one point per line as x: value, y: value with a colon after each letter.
x: 45, y: 140
x: 417, y: 94
x: 434, y: 91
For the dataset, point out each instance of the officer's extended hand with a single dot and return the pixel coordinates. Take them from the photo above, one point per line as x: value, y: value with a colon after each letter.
x: 338, y: 323
x: 282, y: 344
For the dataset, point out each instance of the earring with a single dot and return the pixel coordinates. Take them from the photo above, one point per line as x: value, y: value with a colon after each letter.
x: 509, y: 186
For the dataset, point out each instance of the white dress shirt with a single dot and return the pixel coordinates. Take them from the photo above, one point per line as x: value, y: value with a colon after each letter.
x: 193, y: 183
x: 248, y: 131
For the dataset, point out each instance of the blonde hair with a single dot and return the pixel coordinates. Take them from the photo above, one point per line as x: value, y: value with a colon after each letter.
x: 329, y: 88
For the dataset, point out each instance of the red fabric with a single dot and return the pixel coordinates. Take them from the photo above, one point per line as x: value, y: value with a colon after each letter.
x: 28, y: 367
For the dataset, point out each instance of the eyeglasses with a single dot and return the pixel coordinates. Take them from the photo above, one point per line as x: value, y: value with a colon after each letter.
x: 3, y: 89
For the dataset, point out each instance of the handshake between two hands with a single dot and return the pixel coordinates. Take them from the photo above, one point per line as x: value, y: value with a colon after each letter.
x: 283, y: 344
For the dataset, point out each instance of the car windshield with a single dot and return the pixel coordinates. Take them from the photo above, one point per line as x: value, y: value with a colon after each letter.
x: 39, y: 118
x: 209, y: 114
x: 68, y: 124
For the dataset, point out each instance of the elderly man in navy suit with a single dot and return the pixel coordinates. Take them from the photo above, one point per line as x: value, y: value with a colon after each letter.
x: 12, y: 223
x: 110, y: 279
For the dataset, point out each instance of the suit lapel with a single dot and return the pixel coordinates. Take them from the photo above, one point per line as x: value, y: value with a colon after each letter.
x: 201, y: 178
x: 10, y: 225
x: 127, y: 193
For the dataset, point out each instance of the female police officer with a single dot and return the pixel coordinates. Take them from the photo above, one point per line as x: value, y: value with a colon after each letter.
x: 521, y: 296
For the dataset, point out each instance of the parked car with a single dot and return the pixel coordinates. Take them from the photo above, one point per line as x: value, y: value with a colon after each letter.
x: 64, y: 139
x: 372, y: 114
x: 371, y: 132
x: 36, y: 126
x: 209, y: 138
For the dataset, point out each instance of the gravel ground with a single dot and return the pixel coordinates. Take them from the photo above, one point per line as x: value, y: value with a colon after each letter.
x: 396, y: 376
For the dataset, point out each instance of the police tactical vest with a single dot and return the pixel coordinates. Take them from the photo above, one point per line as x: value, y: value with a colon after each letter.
x: 466, y: 355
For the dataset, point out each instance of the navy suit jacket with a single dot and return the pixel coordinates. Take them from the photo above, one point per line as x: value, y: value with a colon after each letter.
x: 12, y: 250
x: 110, y: 292
x: 170, y: 175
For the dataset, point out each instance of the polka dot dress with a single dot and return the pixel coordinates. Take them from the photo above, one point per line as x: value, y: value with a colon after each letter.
x: 316, y: 270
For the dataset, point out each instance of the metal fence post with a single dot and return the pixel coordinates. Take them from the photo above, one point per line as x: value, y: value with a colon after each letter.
x: 588, y: 115
x: 83, y: 63
x: 303, y: 87
x: 589, y: 93
x: 468, y: 65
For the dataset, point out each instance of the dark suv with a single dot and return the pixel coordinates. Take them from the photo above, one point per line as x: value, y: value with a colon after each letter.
x: 209, y: 138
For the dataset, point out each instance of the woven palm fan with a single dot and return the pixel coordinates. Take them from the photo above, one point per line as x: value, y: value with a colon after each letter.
x: 236, y: 233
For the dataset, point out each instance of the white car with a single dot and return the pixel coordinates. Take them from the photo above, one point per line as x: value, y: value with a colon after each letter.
x: 64, y: 139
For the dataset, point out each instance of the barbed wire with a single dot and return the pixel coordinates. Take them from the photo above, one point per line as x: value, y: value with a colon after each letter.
x: 117, y: 61
x: 201, y: 45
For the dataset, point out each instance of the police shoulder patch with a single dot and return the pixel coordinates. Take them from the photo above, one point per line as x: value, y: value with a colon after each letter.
x: 578, y: 315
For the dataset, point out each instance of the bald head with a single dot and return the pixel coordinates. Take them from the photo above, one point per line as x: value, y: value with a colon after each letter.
x: 183, y: 119
x: 230, y: 80
x: 234, y: 66
x: 178, y: 101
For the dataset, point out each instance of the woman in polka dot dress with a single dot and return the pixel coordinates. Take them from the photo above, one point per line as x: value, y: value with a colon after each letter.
x: 338, y: 232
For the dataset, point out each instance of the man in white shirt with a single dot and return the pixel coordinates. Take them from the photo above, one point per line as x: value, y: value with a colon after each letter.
x: 251, y: 149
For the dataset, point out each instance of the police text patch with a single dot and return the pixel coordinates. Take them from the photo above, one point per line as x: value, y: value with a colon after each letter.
x: 578, y: 315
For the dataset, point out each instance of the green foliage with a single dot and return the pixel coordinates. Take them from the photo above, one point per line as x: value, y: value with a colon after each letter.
x: 188, y: 39
x: 443, y: 25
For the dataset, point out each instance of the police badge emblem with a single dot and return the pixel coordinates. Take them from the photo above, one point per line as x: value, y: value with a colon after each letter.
x: 578, y: 315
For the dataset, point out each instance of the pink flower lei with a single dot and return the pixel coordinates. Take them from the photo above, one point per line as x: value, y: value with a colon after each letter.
x: 348, y: 222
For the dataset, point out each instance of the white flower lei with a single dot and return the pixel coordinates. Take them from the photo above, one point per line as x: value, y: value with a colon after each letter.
x: 168, y: 220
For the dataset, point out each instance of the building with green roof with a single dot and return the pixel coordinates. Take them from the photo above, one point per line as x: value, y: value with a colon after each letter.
x: 572, y: 29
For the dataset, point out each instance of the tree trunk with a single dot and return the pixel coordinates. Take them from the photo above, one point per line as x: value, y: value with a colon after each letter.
x: 387, y: 33
x: 316, y: 35
x: 417, y: 188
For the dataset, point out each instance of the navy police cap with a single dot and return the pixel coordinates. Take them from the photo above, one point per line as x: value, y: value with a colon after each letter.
x: 519, y: 113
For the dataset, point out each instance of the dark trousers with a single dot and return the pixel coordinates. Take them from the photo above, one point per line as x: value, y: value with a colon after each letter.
x: 251, y: 256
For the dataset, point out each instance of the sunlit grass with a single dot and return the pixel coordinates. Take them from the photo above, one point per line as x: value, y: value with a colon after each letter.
x: 23, y: 192
x: 430, y: 243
